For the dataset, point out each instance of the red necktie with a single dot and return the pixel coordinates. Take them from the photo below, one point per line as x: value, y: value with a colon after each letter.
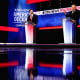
x: 31, y: 17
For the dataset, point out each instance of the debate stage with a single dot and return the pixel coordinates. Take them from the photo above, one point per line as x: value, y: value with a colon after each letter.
x: 60, y: 45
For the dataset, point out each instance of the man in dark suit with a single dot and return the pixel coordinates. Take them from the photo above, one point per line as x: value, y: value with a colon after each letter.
x: 74, y: 15
x: 34, y: 19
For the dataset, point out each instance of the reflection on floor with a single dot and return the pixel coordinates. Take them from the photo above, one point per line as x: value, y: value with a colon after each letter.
x: 39, y: 64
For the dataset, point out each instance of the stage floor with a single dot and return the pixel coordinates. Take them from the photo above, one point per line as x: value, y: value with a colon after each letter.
x: 46, y: 61
x: 61, y: 45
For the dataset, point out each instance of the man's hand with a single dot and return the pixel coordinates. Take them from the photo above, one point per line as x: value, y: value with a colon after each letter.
x: 65, y: 12
x: 34, y: 24
x: 74, y: 21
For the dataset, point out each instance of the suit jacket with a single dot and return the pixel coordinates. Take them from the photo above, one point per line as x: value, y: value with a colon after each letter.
x: 74, y: 16
x: 34, y: 19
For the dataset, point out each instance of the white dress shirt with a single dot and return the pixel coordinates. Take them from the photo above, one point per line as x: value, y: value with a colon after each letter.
x: 30, y: 15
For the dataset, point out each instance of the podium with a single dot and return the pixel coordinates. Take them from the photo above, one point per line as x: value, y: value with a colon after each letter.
x: 69, y: 31
x: 29, y: 32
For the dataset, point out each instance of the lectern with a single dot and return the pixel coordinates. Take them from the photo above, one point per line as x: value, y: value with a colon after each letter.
x: 69, y: 31
x: 29, y: 32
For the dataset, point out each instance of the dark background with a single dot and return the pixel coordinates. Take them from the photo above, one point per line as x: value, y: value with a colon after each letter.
x: 53, y: 36
x: 4, y: 20
x: 3, y: 36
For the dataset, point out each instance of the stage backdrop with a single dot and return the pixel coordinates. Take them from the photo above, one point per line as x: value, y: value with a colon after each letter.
x: 52, y: 18
x: 18, y: 11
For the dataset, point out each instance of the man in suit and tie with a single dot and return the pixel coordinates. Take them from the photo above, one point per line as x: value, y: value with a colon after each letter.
x: 34, y: 19
x: 74, y: 15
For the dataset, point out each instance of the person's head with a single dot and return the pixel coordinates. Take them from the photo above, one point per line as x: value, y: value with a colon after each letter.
x: 73, y: 7
x: 31, y: 11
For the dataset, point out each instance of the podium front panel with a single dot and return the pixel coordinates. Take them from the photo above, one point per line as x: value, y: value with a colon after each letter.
x: 67, y: 31
x: 29, y: 33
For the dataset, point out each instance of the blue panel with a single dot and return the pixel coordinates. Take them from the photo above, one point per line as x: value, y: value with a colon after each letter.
x: 13, y: 15
x: 50, y: 20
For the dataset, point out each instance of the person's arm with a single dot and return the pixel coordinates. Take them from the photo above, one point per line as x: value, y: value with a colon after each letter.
x: 76, y: 18
x: 28, y: 18
x: 77, y: 15
x: 36, y: 20
x: 67, y: 15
